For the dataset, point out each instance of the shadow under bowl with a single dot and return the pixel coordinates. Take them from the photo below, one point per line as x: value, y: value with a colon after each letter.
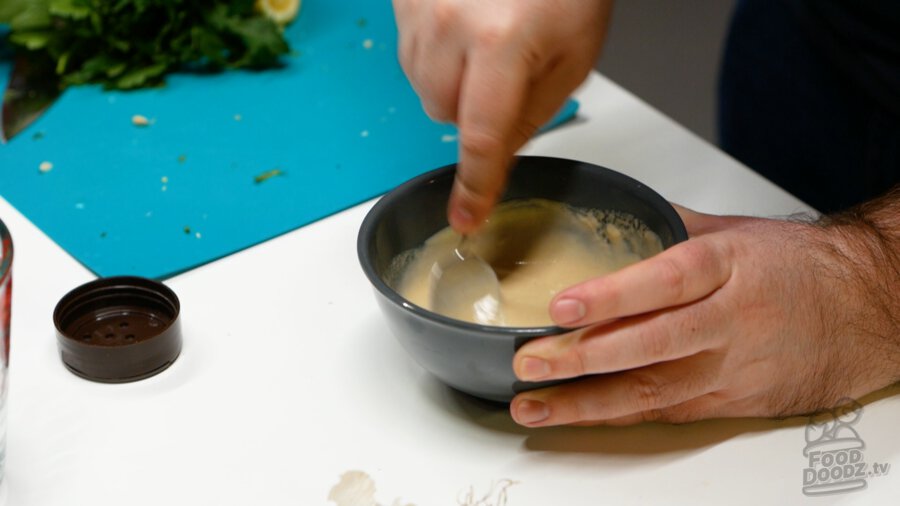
x: 473, y: 358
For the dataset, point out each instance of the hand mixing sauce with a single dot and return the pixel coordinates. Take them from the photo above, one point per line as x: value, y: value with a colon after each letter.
x: 537, y: 248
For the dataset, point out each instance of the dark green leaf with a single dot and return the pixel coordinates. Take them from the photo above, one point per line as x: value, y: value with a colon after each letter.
x: 73, y: 9
x: 33, y: 39
x: 25, y: 14
x: 133, y: 43
x: 140, y: 77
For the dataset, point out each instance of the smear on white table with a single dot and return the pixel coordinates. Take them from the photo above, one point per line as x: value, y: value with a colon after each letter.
x: 496, y: 496
x: 357, y: 488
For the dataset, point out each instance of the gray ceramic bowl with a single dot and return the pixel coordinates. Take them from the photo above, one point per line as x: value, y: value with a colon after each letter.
x: 477, y: 359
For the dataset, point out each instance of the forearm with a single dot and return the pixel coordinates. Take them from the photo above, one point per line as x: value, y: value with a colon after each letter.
x: 863, y: 252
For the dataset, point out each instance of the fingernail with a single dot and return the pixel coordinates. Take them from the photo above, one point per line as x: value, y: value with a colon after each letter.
x: 530, y: 412
x: 567, y: 311
x: 534, y: 369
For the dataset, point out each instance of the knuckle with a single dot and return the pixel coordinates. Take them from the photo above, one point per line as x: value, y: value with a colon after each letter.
x: 653, y: 415
x: 579, y: 411
x: 472, y: 194
x: 444, y: 101
x: 446, y: 15
x: 673, y: 416
x: 702, y: 256
x: 482, y: 144
x: 438, y: 98
x: 580, y: 360
x: 686, y: 412
x: 436, y: 112
x: 655, y: 345
x: 672, y: 278
x: 646, y: 391
x: 495, y: 34
x: 690, y: 322
x: 436, y: 106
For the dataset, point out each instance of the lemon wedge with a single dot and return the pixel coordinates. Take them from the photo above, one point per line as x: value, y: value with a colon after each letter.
x: 279, y: 11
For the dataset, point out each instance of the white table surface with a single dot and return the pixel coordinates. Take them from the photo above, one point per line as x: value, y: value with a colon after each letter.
x: 289, y: 378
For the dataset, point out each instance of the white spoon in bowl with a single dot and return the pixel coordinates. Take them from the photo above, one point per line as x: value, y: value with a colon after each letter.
x: 465, y: 287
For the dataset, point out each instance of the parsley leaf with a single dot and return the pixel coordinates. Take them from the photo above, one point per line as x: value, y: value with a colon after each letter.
x: 126, y: 44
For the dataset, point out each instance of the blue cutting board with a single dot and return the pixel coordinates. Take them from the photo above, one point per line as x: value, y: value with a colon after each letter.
x: 339, y: 121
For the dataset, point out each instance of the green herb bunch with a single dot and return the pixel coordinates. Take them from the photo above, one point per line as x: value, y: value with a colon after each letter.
x: 126, y: 44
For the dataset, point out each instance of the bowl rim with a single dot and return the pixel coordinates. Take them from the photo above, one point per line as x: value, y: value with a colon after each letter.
x: 367, y: 230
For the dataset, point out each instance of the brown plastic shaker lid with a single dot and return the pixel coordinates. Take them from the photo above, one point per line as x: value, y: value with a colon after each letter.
x: 118, y: 329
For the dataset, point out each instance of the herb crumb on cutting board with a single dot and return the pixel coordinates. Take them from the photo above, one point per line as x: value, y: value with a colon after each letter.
x: 269, y: 174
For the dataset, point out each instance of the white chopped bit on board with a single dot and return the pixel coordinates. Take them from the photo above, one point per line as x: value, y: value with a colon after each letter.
x: 163, y: 188
x: 79, y: 205
x: 238, y: 117
x: 45, y: 167
x: 197, y: 235
x: 448, y: 138
x: 140, y: 120
x: 364, y: 133
x: 368, y: 43
x: 164, y: 179
x: 148, y: 214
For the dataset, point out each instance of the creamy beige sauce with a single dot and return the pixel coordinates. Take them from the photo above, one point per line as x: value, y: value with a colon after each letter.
x: 537, y: 248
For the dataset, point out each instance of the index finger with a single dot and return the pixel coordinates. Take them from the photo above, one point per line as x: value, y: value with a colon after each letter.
x: 492, y: 98
x: 683, y: 273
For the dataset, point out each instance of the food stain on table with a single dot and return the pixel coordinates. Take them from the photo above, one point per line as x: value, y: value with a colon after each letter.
x: 356, y: 488
x: 497, y: 495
